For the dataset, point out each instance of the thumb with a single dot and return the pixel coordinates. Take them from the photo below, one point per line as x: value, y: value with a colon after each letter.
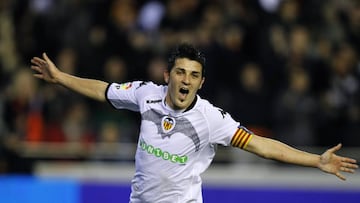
x: 46, y: 58
x: 336, y: 148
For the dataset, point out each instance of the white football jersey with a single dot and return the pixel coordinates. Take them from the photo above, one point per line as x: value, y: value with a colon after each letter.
x: 174, y: 147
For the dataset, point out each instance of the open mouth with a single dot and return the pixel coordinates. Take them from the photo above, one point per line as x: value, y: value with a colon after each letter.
x: 184, y: 91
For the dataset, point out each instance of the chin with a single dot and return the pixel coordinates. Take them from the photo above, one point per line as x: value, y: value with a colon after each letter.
x: 180, y: 105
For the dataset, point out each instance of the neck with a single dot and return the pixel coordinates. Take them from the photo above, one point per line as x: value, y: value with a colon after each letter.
x: 172, y: 106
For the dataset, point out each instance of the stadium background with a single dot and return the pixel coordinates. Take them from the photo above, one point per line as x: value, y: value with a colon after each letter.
x: 286, y: 69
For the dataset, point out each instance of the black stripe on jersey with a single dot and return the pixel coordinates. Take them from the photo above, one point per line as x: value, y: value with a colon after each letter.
x: 191, y: 105
x: 106, y: 93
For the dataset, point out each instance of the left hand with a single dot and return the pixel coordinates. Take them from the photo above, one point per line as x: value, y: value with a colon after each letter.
x: 334, y: 164
x: 45, y: 68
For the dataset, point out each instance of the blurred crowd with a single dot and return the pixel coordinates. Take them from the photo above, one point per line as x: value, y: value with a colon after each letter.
x: 287, y: 69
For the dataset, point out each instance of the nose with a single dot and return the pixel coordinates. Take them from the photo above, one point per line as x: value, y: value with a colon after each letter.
x: 186, y: 79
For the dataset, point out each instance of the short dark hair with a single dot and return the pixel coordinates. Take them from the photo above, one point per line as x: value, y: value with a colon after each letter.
x: 185, y: 50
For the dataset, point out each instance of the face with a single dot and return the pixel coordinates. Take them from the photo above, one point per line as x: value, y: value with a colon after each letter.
x: 184, y: 80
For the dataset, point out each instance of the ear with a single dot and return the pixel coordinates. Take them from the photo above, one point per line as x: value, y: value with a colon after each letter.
x: 202, y: 82
x: 166, y: 76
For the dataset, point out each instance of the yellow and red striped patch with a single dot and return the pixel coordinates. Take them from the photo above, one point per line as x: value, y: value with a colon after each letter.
x: 241, y: 138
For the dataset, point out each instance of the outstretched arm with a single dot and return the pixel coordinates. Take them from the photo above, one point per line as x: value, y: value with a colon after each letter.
x: 328, y: 162
x: 47, y: 70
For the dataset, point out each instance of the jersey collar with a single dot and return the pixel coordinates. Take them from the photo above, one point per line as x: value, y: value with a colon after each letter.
x: 192, y: 104
x: 180, y: 111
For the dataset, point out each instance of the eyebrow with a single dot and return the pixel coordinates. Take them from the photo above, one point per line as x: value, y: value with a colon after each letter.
x: 183, y: 69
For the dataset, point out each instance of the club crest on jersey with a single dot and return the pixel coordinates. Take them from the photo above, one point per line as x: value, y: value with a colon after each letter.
x: 167, y: 124
x: 124, y: 86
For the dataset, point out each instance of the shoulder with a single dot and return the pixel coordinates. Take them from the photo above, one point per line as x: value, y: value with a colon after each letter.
x: 147, y: 85
x: 132, y: 95
x: 133, y: 90
x: 136, y: 86
x: 221, y: 126
x: 144, y: 88
x: 211, y: 111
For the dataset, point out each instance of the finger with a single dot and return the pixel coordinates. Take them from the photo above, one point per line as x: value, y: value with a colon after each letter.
x: 38, y: 60
x: 46, y: 58
x: 349, y: 160
x: 346, y: 169
x: 340, y: 176
x: 40, y: 76
x: 336, y: 148
x: 348, y: 165
x: 36, y: 68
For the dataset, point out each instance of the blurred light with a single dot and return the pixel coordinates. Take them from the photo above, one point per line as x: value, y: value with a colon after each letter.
x: 270, y: 5
x: 151, y: 15
x: 41, y: 6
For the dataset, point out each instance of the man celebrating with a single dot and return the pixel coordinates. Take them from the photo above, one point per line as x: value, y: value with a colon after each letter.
x: 180, y: 130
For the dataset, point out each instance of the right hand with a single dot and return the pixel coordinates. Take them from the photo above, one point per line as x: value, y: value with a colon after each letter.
x: 334, y: 164
x: 45, y: 68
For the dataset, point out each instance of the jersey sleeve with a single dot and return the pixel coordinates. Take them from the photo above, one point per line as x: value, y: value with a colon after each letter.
x: 224, y: 130
x: 124, y: 95
x: 241, y: 137
x: 221, y: 126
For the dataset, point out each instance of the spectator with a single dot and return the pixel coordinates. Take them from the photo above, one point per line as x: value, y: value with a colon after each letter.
x: 295, y: 111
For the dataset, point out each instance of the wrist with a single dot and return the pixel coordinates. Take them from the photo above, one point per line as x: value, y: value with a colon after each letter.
x: 60, y: 77
x: 318, y: 163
